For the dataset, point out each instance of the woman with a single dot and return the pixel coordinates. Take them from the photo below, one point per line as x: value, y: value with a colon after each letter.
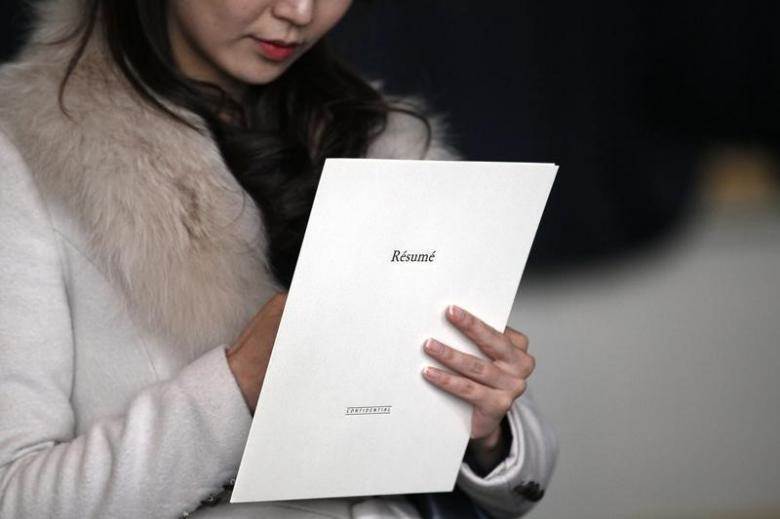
x: 132, y: 265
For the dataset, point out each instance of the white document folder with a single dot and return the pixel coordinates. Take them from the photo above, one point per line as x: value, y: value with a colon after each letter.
x: 344, y: 409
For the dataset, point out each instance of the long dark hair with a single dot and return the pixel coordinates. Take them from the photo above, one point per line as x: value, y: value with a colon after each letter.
x: 278, y: 137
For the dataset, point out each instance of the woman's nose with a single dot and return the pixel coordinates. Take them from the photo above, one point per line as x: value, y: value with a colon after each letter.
x: 298, y: 12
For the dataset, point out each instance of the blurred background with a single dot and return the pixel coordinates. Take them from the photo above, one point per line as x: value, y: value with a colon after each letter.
x: 652, y: 294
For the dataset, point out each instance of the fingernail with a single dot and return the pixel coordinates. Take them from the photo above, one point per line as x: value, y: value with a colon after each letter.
x: 456, y: 312
x: 433, y: 345
x: 430, y: 372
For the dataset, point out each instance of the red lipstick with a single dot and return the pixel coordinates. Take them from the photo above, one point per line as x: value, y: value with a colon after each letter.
x: 276, y: 49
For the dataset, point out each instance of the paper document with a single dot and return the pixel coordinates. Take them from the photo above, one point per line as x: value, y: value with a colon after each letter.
x: 344, y: 408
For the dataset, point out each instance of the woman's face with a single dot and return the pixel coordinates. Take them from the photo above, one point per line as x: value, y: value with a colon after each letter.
x: 220, y: 40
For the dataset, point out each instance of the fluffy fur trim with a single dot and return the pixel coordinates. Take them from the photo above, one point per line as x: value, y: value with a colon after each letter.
x: 164, y: 218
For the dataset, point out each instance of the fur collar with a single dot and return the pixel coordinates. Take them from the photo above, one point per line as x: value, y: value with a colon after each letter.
x: 163, y: 217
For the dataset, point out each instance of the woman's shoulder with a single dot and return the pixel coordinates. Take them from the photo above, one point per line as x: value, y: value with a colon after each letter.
x: 23, y: 210
x: 405, y: 135
x: 30, y: 116
x: 12, y: 166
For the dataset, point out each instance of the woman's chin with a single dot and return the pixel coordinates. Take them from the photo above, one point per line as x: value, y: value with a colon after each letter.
x: 260, y: 75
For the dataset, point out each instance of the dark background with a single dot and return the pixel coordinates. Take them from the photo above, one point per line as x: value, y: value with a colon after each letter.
x: 624, y: 96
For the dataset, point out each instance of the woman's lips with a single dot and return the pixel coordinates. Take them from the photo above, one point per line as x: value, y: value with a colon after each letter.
x: 276, y: 51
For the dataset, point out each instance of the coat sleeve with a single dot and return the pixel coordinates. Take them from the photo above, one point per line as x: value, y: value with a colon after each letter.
x: 518, y: 482
x: 177, y: 442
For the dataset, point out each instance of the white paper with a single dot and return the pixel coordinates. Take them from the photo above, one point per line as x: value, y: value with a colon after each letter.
x: 354, y: 323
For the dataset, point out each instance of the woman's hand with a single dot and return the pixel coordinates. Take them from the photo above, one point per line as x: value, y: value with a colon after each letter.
x: 248, y: 357
x: 490, y: 385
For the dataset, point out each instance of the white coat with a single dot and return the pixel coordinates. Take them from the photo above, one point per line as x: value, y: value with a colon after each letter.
x: 130, y: 259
